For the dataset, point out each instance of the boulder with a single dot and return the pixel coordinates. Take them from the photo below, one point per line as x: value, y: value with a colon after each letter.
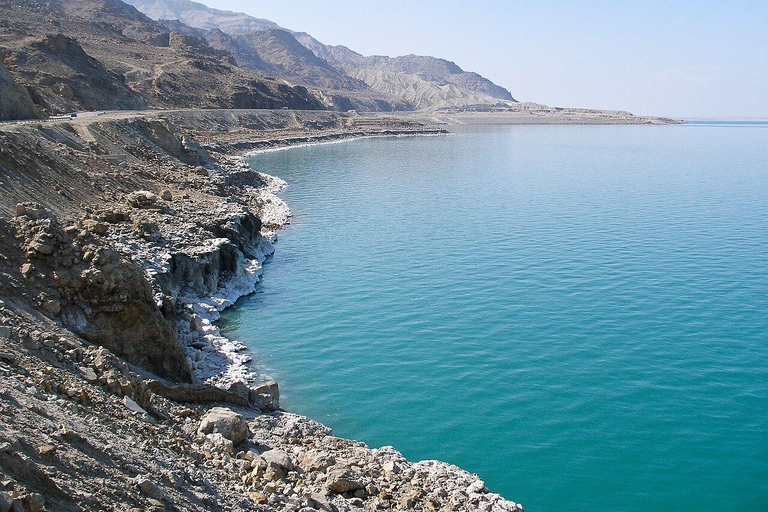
x: 226, y: 422
x: 143, y: 199
x: 278, y: 458
x: 265, y: 397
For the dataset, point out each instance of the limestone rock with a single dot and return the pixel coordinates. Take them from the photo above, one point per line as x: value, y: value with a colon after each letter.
x: 343, y: 479
x: 266, y: 397
x: 278, y: 458
x: 226, y: 422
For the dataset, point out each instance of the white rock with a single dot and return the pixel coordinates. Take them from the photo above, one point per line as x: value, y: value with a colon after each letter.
x: 225, y: 422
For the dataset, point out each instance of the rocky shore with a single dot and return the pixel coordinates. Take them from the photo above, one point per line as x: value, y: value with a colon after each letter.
x: 122, y: 237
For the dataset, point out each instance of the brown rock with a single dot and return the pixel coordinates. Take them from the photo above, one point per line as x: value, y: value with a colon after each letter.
x: 258, y: 498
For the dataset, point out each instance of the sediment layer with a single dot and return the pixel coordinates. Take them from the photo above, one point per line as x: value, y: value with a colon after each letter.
x: 122, y: 237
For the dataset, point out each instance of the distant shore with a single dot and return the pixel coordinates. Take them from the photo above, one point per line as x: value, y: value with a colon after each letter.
x: 532, y: 114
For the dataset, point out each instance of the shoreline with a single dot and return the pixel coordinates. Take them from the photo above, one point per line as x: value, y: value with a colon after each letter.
x: 121, y: 243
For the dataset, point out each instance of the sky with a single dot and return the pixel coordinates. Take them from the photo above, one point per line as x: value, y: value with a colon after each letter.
x: 690, y: 59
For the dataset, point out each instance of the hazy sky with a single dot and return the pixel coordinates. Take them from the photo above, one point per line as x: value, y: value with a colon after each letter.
x: 671, y: 57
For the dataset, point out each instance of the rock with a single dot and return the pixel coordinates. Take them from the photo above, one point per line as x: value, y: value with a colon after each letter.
x: 218, y: 443
x: 88, y: 374
x: 96, y: 227
x: 343, y: 479
x: 27, y: 270
x: 66, y: 433
x: 5, y: 332
x: 476, y: 487
x: 318, y: 461
x: 41, y: 247
x: 278, y: 458
x: 166, y: 195
x: 46, y: 449
x: 225, y: 422
x: 34, y: 502
x: 5, y: 502
x: 143, y: 199
x: 391, y: 467
x: 149, y: 488
x: 258, y: 498
x: 52, y: 306
x: 266, y: 397
x: 132, y: 405
x: 5, y: 356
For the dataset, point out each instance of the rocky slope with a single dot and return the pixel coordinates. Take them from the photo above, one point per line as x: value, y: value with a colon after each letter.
x: 427, y: 82
x: 401, y: 83
x: 121, y: 238
x: 73, y: 55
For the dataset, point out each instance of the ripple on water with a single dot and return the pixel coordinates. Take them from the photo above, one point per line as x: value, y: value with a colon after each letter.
x: 575, y: 313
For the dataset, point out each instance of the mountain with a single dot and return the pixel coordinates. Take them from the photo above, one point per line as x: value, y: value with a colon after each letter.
x: 67, y: 55
x: 424, y: 81
x: 341, y: 76
x: 198, y: 15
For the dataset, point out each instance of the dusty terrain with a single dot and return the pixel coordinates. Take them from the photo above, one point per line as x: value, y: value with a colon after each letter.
x: 121, y: 238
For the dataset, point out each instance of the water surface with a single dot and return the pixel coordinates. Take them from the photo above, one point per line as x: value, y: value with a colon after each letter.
x: 579, y: 314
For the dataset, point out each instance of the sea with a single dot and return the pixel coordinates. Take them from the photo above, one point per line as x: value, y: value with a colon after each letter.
x: 578, y: 314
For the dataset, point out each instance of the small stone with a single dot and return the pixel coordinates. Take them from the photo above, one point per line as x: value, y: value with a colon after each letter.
x: 391, y: 467
x: 5, y: 332
x: 52, y: 306
x: 278, y: 458
x: 88, y: 374
x: 26, y: 270
x: 149, y: 488
x: 5, y: 356
x: 66, y: 433
x: 46, y: 449
x: 132, y: 405
x: 258, y: 498
x: 166, y: 195
x: 42, y: 247
x: 343, y: 479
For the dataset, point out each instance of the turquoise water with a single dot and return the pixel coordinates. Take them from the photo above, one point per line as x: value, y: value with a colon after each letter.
x: 577, y: 314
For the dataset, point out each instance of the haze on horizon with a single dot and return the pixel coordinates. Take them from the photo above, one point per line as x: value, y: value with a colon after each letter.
x: 684, y: 59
